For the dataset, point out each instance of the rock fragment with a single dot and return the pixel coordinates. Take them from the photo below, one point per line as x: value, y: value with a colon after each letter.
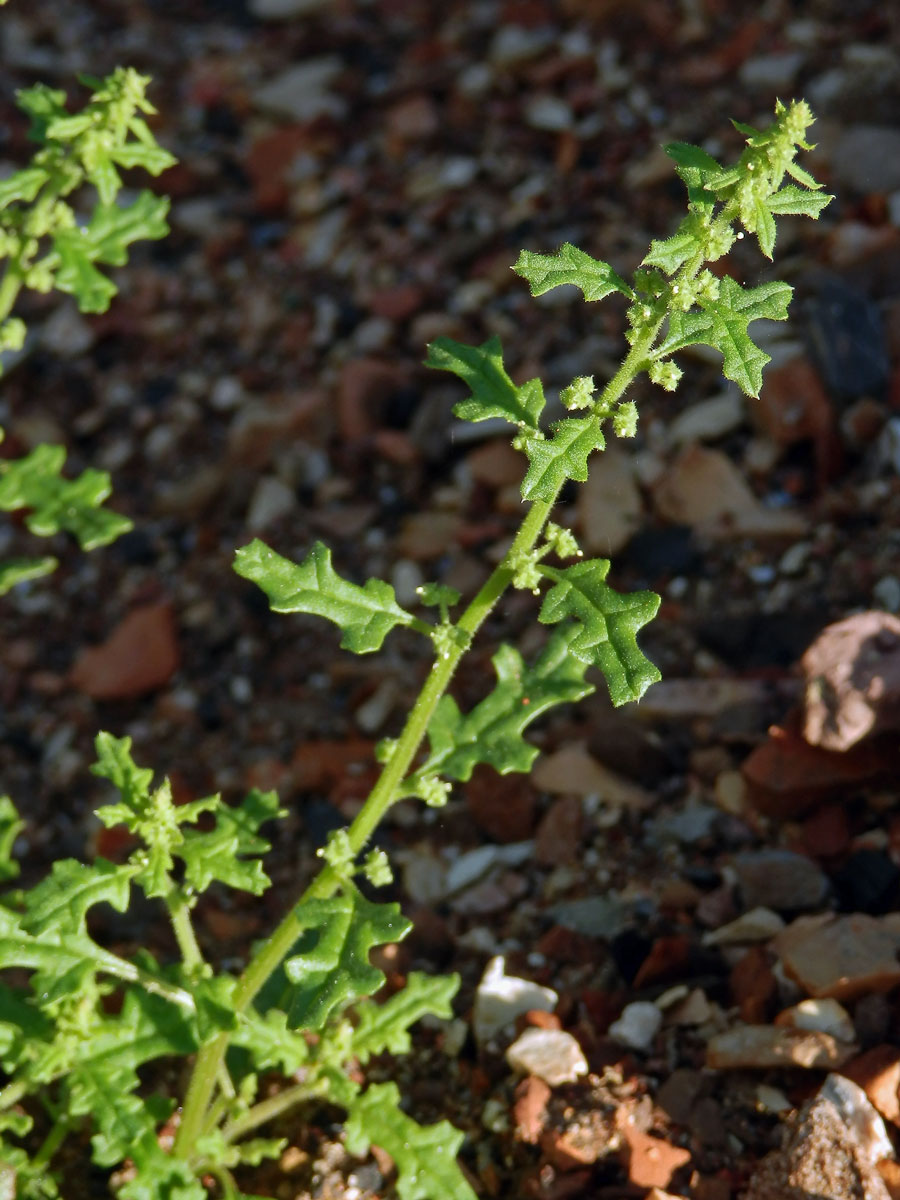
x: 551, y: 1054
x: 852, y: 680
x: 830, y: 1153
x: 637, y: 1026
x: 139, y: 656
x: 843, y: 958
x: 500, y: 998
x: 764, y: 1046
x: 780, y: 880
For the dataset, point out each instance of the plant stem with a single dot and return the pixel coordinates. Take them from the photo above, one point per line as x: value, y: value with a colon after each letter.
x: 273, y: 1107
x: 180, y: 916
x: 10, y: 287
x: 271, y: 953
x: 51, y: 1142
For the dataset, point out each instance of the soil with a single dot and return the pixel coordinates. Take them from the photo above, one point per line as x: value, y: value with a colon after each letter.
x: 260, y: 374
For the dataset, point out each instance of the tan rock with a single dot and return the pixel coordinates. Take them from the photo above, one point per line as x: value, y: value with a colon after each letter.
x: 573, y: 770
x: 852, y: 680
x: 704, y: 489
x: 558, y: 837
x: 844, y: 958
x: 609, y: 503
x: 139, y: 656
x: 829, y: 1153
x: 764, y: 1046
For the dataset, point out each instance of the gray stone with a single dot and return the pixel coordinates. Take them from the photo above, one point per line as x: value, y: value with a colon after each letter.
x: 866, y: 158
x: 780, y: 879
x: 301, y: 92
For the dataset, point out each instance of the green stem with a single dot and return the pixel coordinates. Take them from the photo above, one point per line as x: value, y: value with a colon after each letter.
x: 267, y: 1110
x: 180, y: 916
x: 51, y: 1142
x: 10, y: 286
x: 386, y: 790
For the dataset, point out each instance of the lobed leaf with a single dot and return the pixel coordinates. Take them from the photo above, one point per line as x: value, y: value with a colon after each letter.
x: 35, y: 482
x: 22, y: 185
x: 386, y: 1026
x: 722, y: 324
x: 105, y: 240
x: 269, y: 1041
x: 60, y: 902
x: 425, y: 1155
x: 334, y: 970
x: 569, y: 265
x: 365, y: 615
x: 492, y: 732
x: 493, y: 392
x: 562, y: 457
x: 608, y: 622
x: 230, y: 852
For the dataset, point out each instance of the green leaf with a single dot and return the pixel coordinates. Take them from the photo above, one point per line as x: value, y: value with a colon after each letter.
x: 365, y: 615
x: 669, y: 254
x: 595, y: 278
x: 562, y: 457
x: 695, y: 168
x: 152, y: 158
x: 18, y: 570
x: 11, y: 825
x: 722, y: 324
x: 425, y: 1155
x: 492, y: 732
x: 61, y: 900
x: 334, y: 970
x: 229, y: 852
x: 73, y: 505
x: 386, y: 1026
x: 608, y: 623
x: 105, y: 240
x: 114, y: 762
x: 44, y: 105
x: 22, y: 185
x: 493, y: 392
x: 21, y: 1023
x: 154, y: 817
x: 269, y: 1041
x: 794, y: 201
x: 54, y: 955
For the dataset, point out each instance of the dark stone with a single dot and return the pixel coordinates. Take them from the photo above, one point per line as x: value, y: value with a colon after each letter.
x: 137, y: 548
x: 846, y: 337
x: 755, y: 639
x: 668, y: 550
x: 629, y: 950
x: 867, y: 882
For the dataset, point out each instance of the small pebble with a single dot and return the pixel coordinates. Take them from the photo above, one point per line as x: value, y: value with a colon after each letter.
x: 637, y: 1026
x: 550, y: 1054
x: 500, y: 998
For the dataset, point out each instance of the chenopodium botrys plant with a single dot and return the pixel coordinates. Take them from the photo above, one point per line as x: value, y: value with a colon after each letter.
x: 46, y: 242
x: 74, y: 1037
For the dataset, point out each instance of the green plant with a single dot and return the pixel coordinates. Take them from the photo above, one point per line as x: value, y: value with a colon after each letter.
x: 46, y: 243
x: 75, y: 1033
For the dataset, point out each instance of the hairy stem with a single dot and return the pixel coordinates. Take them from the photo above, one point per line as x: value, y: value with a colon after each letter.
x: 388, y: 787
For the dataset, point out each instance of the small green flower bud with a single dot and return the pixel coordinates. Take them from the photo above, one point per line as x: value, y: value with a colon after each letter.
x: 579, y: 393
x: 625, y: 419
